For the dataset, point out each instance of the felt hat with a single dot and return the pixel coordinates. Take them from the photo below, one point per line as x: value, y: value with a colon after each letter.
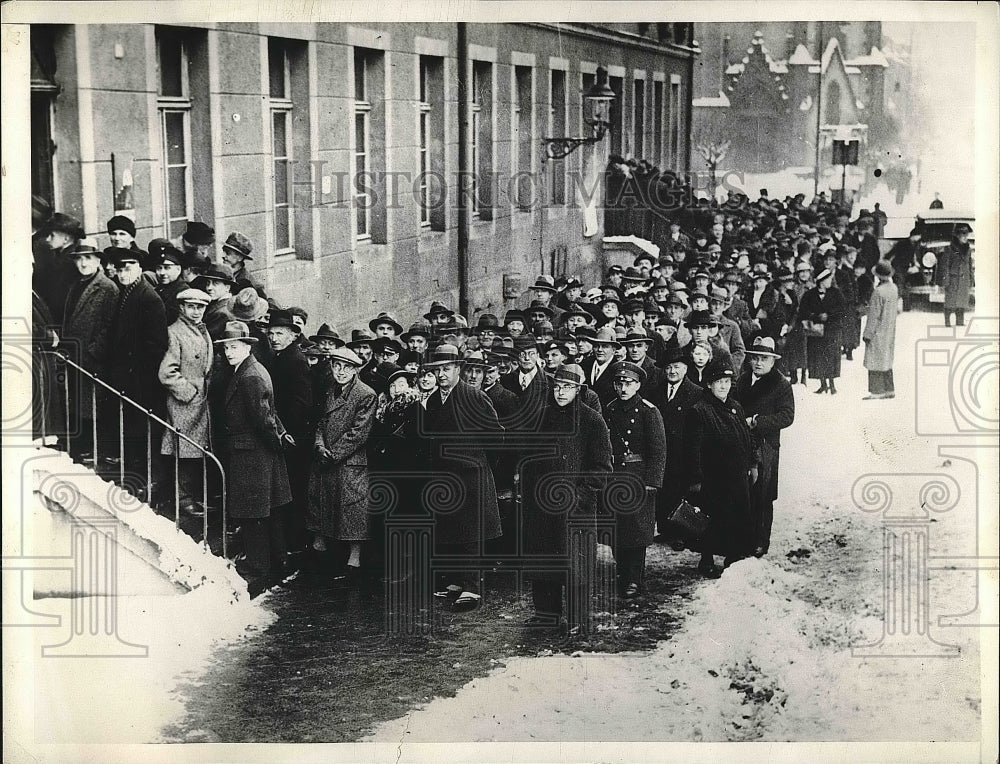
x: 64, y: 223
x: 385, y: 318
x: 606, y: 336
x: 718, y: 368
x: 417, y: 329
x: 544, y: 282
x: 240, y: 244
x: 279, y: 317
x: 437, y: 309
x: 700, y: 318
x: 199, y: 233
x: 327, y: 332
x: 360, y: 337
x: 122, y: 223
x: 571, y: 373
x: 236, y: 330
x: 763, y: 346
x: 247, y: 305
x: 444, y: 353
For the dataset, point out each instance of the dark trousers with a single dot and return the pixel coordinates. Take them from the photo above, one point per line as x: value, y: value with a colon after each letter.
x: 547, y: 599
x: 297, y: 464
x: 763, y: 518
x: 959, y: 317
x: 264, y: 544
x: 630, y: 563
x: 881, y: 382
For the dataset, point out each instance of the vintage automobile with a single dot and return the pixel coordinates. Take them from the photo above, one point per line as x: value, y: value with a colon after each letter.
x: 937, y: 228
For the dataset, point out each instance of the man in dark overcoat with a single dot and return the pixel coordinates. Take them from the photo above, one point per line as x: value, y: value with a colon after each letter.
x: 54, y: 272
x: 575, y: 448
x: 597, y: 368
x: 639, y: 449
x: 769, y: 406
x: 138, y: 343
x: 251, y: 443
x: 955, y: 272
x: 461, y: 427
x: 293, y: 401
x: 677, y: 394
x: 85, y: 336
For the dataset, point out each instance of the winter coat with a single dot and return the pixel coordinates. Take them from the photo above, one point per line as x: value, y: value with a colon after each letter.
x: 604, y: 386
x: 770, y: 302
x: 720, y: 454
x: 138, y: 343
x: 772, y: 401
x: 86, y: 335
x: 955, y: 272
x: 251, y: 443
x: 184, y: 372
x: 880, y: 327
x: 729, y: 333
x: 574, y: 448
x: 459, y: 432
x: 338, y: 488
x: 397, y: 457
x: 654, y: 379
x: 292, y: 381
x: 168, y: 294
x: 674, y: 414
x: 823, y: 353
x: 638, y: 447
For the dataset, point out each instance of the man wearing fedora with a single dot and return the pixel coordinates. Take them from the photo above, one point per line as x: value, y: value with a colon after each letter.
x: 384, y: 325
x: 198, y: 242
x: 251, y: 441
x: 597, y: 368
x: 700, y: 323
x: 461, y: 428
x: 769, y: 406
x: 637, y: 344
x: 85, y: 336
x: 880, y: 334
x: 417, y: 338
x: 217, y: 281
x: 729, y: 330
x: 186, y: 372
x: 674, y: 397
x: 235, y: 253
x: 543, y: 292
x: 573, y: 446
x: 638, y: 449
x: 293, y: 400
x: 363, y: 344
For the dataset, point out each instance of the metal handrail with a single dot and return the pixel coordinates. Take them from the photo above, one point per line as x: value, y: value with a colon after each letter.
x: 150, y: 417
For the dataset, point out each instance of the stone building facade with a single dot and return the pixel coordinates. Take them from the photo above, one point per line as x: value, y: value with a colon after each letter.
x: 335, y: 147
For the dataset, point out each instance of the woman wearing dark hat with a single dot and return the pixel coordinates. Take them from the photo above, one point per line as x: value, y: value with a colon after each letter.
x: 721, y: 467
x: 823, y: 306
x: 955, y: 272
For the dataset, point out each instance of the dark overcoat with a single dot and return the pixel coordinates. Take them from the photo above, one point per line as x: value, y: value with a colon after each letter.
x: 772, y: 401
x: 720, y: 454
x: 338, y: 488
x: 138, y: 342
x: 574, y: 449
x: 823, y: 353
x: 954, y: 273
x: 251, y: 438
x: 86, y: 334
x: 397, y: 457
x: 604, y: 386
x: 638, y: 447
x: 674, y: 413
x: 459, y: 432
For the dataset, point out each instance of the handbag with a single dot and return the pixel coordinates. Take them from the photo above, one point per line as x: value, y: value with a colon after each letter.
x: 690, y: 520
x: 813, y: 328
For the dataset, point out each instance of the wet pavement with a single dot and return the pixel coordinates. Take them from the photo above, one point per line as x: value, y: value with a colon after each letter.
x: 327, y: 671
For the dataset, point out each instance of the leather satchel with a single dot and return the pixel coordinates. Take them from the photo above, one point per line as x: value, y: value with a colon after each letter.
x: 813, y: 328
x: 690, y: 521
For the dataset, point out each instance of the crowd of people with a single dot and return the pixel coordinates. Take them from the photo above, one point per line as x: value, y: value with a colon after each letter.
x: 668, y: 383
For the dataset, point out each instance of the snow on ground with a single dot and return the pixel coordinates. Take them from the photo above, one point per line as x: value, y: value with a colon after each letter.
x: 112, y: 666
x: 764, y: 652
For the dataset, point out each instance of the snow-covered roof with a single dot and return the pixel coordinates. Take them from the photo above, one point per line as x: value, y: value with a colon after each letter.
x: 802, y: 56
x: 775, y: 66
x: 874, y: 58
x: 715, y: 101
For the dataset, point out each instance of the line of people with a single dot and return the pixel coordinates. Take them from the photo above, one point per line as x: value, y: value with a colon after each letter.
x: 586, y: 408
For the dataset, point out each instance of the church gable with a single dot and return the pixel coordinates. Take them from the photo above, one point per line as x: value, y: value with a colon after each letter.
x: 757, y: 83
x: 840, y: 104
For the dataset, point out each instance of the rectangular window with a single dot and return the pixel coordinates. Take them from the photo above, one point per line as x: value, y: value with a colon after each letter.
x: 431, y: 143
x: 675, y: 122
x: 43, y: 94
x: 362, y: 143
x: 658, y: 123
x: 174, y: 106
x: 523, y: 146
x: 639, y: 118
x: 482, y: 139
x: 557, y: 128
x: 617, y: 84
x: 280, y: 91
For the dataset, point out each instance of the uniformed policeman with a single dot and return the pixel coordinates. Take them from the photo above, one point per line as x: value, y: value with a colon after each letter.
x: 638, y: 447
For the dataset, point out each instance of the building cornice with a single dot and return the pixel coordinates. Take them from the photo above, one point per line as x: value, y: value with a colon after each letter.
x: 592, y: 32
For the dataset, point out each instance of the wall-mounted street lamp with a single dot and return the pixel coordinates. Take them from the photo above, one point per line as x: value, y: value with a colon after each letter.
x: 597, y: 115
